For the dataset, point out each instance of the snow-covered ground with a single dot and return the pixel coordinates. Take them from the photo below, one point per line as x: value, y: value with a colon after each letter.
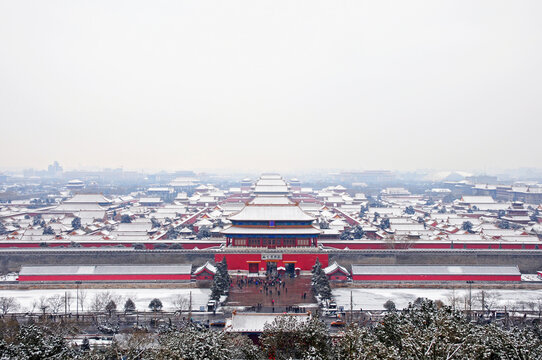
x: 141, y: 297
x: 9, y: 277
x: 374, y: 299
x: 530, y: 277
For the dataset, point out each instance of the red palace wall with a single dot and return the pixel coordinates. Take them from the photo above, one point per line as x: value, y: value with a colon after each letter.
x: 204, y: 275
x: 337, y: 276
x: 436, y: 277
x: 302, y: 261
x: 183, y: 277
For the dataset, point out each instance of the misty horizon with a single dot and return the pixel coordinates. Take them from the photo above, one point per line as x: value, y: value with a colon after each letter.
x: 289, y: 87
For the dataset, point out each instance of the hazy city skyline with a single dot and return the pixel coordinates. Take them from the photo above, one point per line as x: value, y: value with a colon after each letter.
x: 283, y: 86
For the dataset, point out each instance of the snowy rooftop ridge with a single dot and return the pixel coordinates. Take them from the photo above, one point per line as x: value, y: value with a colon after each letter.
x: 271, y: 212
x: 334, y: 267
x: 207, y: 266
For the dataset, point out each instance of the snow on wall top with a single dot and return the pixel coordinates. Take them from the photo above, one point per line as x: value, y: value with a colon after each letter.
x: 105, y: 269
x: 434, y: 270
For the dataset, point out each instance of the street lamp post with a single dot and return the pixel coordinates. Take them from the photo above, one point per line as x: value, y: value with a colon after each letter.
x: 77, y: 283
x: 470, y: 282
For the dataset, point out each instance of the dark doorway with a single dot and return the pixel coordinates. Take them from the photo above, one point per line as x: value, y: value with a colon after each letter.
x: 290, y: 269
x: 271, y: 268
x: 253, y: 268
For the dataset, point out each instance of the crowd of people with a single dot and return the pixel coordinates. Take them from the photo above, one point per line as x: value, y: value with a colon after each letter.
x: 273, y: 287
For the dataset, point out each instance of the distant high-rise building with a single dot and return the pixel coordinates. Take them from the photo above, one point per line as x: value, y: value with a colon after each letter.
x: 54, y: 170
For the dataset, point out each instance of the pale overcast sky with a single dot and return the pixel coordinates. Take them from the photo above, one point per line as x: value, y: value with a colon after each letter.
x: 281, y: 85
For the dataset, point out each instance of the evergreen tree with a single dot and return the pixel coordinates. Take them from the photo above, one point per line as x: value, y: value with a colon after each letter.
x: 320, y: 282
x: 3, y: 229
x: 358, y: 232
x: 196, y: 343
x: 467, y: 226
x: 129, y: 306
x: 172, y: 234
x: 36, y: 220
x: 385, y: 223
x: 224, y: 277
x: 410, y: 210
x: 390, y: 306
x: 125, y: 219
x: 325, y: 290
x: 155, y: 305
x: 155, y: 223
x: 35, y: 343
x: 221, y: 280
x: 290, y: 338
x: 48, y: 231
x: 111, y: 307
x: 363, y: 210
x: 346, y: 235
x: 216, y: 293
x: 316, y: 267
x: 323, y: 224
x: 504, y: 224
x: 203, y: 232
x: 76, y: 223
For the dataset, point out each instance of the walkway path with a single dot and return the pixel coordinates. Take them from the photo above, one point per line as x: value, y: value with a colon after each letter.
x: 286, y: 295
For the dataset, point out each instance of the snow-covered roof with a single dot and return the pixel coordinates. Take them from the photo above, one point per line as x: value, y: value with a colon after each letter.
x: 271, y: 189
x: 69, y: 207
x: 270, y: 231
x: 88, y: 198
x: 210, y: 267
x: 334, y: 267
x: 406, y: 227
x: 270, y: 182
x: 203, y: 222
x: 477, y: 199
x: 434, y: 270
x: 270, y: 200
x: 270, y: 176
x: 270, y: 213
x: 105, y: 269
x: 134, y: 226
x: 255, y: 322
x: 150, y: 200
x: 159, y: 189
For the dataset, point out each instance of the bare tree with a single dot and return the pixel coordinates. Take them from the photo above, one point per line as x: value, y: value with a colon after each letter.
x: 68, y: 298
x: 35, y: 304
x: 100, y: 300
x: 43, y: 304
x: 531, y: 305
x: 82, y: 297
x: 466, y: 301
x: 97, y: 303
x: 487, y: 299
x: 454, y: 300
x: 55, y: 303
x: 8, y: 304
x: 181, y: 303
